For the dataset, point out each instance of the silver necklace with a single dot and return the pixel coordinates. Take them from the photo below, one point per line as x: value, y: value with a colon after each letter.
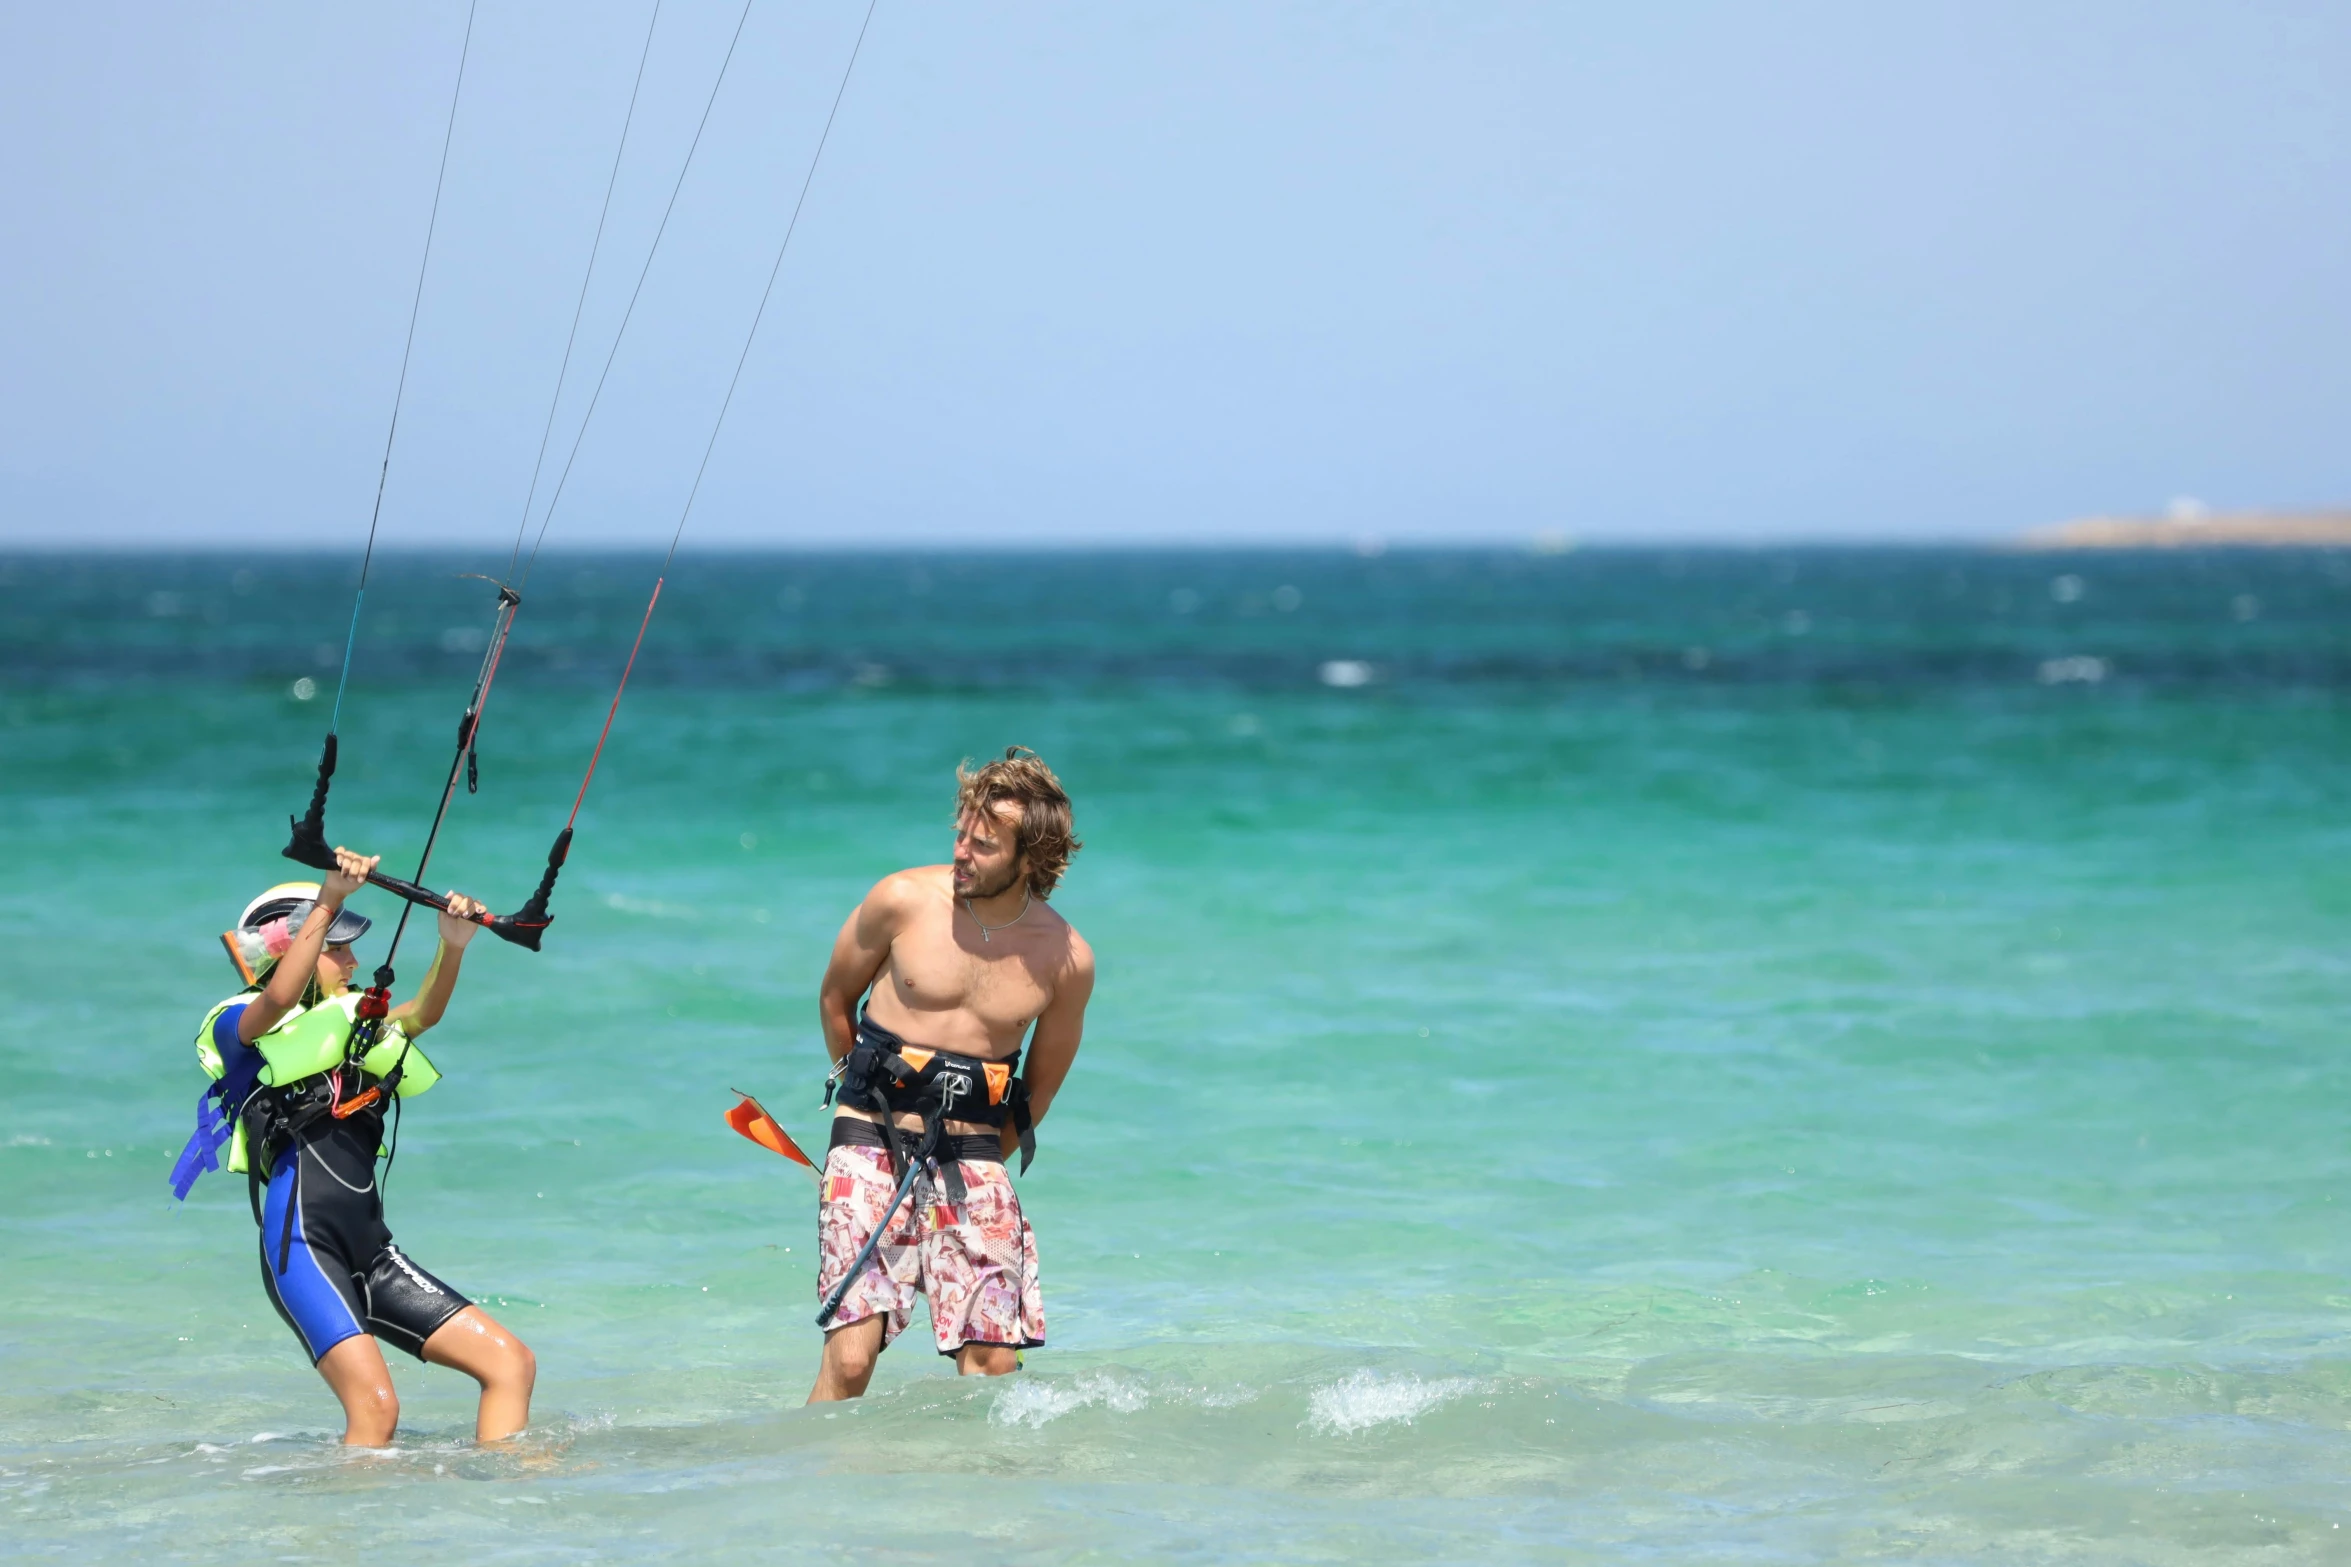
x: 986, y: 928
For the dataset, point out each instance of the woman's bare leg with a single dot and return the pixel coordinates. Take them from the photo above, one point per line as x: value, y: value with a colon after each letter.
x: 474, y: 1343
x: 356, y: 1371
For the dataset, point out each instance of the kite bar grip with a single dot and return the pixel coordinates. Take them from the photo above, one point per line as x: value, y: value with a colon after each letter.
x: 308, y: 845
x: 525, y: 925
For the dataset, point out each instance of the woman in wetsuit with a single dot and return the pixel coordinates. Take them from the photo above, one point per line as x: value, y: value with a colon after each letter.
x: 310, y: 1089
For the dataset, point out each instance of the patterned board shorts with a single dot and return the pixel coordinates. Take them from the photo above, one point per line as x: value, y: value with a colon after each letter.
x: 976, y: 1260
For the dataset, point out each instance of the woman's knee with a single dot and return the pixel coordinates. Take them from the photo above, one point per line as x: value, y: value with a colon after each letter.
x: 522, y: 1367
x: 362, y: 1384
x: 371, y: 1414
x: 505, y: 1361
x: 477, y: 1344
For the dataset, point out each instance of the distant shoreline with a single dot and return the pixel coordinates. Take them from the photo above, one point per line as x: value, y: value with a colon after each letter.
x: 2207, y: 530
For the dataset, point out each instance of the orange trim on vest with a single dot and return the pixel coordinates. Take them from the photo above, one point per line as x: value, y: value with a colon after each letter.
x: 999, y: 1080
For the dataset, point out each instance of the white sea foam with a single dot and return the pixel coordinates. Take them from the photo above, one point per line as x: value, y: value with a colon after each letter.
x: 1036, y: 1403
x: 1363, y: 1399
x: 1222, y: 1398
x: 1033, y: 1402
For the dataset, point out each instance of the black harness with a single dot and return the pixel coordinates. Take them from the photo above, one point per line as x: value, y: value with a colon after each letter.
x: 279, y: 1121
x: 885, y: 1074
x: 282, y: 1120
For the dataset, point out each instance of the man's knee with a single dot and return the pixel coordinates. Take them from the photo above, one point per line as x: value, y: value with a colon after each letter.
x: 849, y: 1355
x: 852, y: 1353
x: 987, y: 1360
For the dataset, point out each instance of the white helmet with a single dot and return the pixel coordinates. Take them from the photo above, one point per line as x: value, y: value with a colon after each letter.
x: 268, y: 925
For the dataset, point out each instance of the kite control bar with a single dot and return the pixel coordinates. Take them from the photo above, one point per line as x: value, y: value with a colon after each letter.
x: 308, y: 846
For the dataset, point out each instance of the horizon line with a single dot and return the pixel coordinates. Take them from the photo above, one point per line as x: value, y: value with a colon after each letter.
x: 1541, y: 545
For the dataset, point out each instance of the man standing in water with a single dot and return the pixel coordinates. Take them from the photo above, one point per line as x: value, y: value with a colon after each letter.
x: 953, y: 963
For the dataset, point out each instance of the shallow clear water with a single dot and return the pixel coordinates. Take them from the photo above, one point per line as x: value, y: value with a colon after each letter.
x: 1736, y: 1056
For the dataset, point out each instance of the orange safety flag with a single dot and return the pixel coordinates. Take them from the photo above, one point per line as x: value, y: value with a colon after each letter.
x: 751, y: 1119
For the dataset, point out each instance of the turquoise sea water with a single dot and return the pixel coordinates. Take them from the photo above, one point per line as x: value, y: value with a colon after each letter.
x: 1740, y: 1056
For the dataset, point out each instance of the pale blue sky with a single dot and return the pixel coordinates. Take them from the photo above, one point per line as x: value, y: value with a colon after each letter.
x: 1192, y: 272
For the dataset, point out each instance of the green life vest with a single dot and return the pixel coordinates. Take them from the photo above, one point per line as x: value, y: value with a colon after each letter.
x: 311, y: 1040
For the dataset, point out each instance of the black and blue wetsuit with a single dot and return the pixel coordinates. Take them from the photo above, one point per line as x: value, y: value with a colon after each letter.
x: 327, y: 1258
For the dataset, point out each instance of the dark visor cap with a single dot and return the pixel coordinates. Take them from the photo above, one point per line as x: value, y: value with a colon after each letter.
x: 347, y: 928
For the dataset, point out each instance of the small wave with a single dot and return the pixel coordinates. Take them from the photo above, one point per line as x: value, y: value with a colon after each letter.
x: 1229, y: 1398
x: 651, y: 907
x: 1034, y: 1404
x: 1036, y: 1401
x: 1363, y: 1399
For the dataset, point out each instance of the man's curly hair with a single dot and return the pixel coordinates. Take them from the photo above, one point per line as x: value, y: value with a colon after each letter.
x: 1020, y: 777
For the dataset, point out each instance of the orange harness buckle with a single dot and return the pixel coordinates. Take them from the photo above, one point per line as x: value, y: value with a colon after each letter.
x: 358, y: 1102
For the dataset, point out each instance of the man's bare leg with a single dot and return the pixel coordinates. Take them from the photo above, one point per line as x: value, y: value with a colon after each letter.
x: 986, y: 1360
x: 474, y: 1343
x: 355, y: 1370
x: 849, y: 1355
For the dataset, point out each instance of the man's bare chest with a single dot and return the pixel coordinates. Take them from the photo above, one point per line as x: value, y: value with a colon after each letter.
x: 1005, y: 983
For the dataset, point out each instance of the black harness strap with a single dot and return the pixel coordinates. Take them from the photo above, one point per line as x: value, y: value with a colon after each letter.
x: 877, y: 1076
x: 913, y: 1168
x: 280, y: 1118
x: 965, y: 1087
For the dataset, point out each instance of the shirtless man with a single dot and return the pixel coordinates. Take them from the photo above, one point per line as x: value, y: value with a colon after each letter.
x: 952, y: 961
